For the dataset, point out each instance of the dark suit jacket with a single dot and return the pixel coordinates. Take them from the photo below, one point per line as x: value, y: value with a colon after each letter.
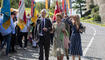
x: 48, y: 25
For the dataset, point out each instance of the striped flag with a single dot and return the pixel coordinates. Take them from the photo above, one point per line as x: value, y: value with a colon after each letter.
x: 6, y: 11
x: 21, y: 15
x: 33, y: 11
x: 64, y: 6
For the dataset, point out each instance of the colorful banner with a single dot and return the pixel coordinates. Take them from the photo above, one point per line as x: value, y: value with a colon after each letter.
x: 33, y: 11
x: 46, y: 4
x: 69, y: 2
x: 64, y: 6
x: 21, y: 15
x: 6, y: 11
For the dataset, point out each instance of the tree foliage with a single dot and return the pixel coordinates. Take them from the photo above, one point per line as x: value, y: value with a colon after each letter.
x: 15, y: 3
x: 79, y: 5
x: 40, y: 6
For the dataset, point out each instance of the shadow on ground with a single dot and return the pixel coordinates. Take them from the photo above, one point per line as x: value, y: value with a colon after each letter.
x: 29, y: 54
x: 91, y: 58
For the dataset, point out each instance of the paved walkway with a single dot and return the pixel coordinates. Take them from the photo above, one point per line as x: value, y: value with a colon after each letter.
x: 93, y: 46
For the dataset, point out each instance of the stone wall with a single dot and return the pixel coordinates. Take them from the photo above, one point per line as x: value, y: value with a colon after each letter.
x: 101, y: 4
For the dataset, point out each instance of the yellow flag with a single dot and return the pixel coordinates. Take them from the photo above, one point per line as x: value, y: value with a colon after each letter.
x: 21, y: 24
x: 68, y: 4
x: 34, y: 18
x: 46, y: 4
x: 33, y: 11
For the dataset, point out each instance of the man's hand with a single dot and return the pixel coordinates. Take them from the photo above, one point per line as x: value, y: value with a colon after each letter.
x: 45, y: 29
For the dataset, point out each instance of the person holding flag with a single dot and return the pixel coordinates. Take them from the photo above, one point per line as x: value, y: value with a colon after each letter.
x: 23, y: 24
x: 6, y: 25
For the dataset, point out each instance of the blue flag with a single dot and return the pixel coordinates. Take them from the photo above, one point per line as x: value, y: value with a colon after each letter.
x: 5, y: 10
x: 70, y: 4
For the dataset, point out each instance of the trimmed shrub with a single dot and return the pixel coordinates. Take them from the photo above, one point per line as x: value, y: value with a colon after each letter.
x: 97, y: 17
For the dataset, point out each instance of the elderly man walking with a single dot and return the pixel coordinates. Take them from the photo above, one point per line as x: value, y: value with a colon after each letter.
x: 43, y: 32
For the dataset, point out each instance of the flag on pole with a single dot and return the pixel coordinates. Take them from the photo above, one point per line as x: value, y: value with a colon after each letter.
x: 68, y: 1
x: 46, y: 4
x: 6, y: 11
x: 21, y: 15
x: 64, y: 6
x: 33, y: 11
x: 57, y: 10
x: 70, y: 6
x: 67, y: 9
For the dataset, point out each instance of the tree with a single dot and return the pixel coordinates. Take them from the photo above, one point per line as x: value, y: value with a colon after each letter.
x: 0, y: 3
x: 28, y: 3
x: 15, y: 3
x: 40, y: 6
x: 79, y: 5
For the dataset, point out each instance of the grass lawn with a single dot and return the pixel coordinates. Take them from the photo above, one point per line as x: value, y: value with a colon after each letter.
x: 92, y: 22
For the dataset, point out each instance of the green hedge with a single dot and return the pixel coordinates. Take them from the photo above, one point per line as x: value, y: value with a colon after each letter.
x: 97, y: 18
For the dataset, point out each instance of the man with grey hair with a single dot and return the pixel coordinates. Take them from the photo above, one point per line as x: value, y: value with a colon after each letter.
x: 42, y: 30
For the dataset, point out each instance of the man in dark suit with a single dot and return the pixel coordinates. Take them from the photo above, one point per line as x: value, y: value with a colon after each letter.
x: 43, y: 28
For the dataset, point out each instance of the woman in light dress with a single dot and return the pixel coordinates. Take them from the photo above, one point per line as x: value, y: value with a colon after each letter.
x: 59, y: 32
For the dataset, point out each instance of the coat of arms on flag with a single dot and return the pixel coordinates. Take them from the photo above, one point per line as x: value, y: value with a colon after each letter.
x: 5, y: 10
x: 21, y: 15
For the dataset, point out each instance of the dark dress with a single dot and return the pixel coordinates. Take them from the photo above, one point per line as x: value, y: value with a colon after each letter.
x: 75, y: 46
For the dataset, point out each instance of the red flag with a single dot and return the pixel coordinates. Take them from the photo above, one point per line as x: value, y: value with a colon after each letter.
x: 64, y: 6
x: 24, y: 17
x: 32, y: 7
x: 19, y: 3
x: 63, y: 3
x: 57, y: 10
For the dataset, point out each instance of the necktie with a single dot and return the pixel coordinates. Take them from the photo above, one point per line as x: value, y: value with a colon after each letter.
x: 42, y: 26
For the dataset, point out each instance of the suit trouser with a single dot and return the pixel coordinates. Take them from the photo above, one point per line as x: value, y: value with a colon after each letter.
x: 7, y: 39
x: 51, y: 37
x: 1, y: 39
x: 13, y: 42
x: 25, y: 38
x: 44, y: 46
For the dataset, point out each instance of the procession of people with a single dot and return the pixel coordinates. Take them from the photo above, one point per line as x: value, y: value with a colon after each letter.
x: 66, y: 35
x: 61, y: 31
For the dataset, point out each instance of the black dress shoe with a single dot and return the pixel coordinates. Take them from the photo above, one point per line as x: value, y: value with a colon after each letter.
x: 67, y: 57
